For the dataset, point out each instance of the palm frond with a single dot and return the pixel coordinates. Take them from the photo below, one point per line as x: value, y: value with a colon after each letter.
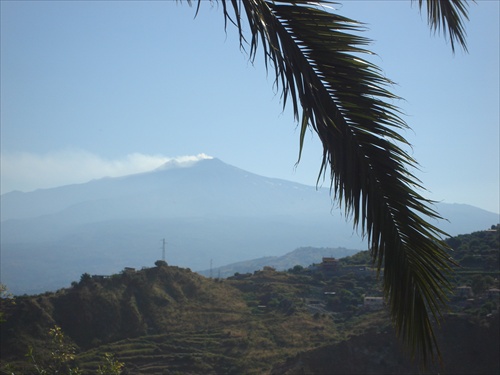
x: 448, y: 15
x: 316, y: 57
x: 317, y: 60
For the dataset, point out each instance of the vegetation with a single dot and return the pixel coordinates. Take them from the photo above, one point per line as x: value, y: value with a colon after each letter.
x: 6, y: 298
x: 59, y: 358
x: 170, y: 320
x: 317, y: 58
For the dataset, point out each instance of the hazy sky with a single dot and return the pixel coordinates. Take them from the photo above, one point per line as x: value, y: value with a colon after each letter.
x: 92, y: 89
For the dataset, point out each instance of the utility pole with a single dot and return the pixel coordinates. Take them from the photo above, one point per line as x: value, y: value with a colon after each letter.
x: 163, y: 251
x: 210, y: 268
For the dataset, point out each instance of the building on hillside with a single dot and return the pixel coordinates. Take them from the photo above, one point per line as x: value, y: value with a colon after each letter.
x: 329, y: 263
x: 373, y: 303
x: 100, y: 277
x: 129, y: 270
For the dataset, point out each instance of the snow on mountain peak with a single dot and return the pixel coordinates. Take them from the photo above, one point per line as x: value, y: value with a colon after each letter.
x: 183, y: 161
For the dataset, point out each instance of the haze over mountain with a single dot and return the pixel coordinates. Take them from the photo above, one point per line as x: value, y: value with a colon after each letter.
x: 207, y: 212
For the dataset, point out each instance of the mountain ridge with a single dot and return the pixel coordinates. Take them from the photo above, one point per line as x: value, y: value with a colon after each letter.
x: 210, y: 212
x: 303, y: 256
x: 17, y: 205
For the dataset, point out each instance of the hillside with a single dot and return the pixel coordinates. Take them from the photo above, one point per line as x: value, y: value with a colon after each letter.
x: 380, y: 353
x: 170, y: 318
x: 167, y: 320
x: 303, y: 256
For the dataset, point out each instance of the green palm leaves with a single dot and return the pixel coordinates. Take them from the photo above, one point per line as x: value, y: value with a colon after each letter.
x: 317, y: 60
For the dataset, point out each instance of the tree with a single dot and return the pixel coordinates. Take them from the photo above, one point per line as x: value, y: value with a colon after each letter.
x: 316, y: 56
x: 296, y: 269
x: 62, y: 357
x: 110, y: 366
x: 161, y: 263
x: 6, y: 299
x: 85, y: 278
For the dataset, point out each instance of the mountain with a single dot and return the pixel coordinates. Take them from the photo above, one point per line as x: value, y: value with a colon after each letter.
x: 209, y: 213
x: 208, y: 187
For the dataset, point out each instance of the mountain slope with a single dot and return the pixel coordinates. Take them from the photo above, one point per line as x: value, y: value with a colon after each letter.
x: 209, y: 213
x: 380, y: 353
x: 207, y: 187
x: 169, y: 320
x: 165, y: 319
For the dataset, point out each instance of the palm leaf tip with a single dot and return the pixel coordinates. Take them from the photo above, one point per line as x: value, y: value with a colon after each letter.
x: 448, y: 16
x: 417, y: 304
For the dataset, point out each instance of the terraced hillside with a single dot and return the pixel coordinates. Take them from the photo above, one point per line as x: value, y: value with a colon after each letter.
x: 169, y: 320
x: 175, y: 320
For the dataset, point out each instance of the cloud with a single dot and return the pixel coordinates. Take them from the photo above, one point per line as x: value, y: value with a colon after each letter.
x: 26, y: 171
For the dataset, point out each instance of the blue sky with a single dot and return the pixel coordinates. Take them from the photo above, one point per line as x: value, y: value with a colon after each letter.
x: 94, y: 89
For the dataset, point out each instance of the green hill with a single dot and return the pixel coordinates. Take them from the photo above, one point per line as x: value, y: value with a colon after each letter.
x: 169, y: 320
x: 172, y: 319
